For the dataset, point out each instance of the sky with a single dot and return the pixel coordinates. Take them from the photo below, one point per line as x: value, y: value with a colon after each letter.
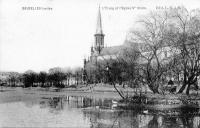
x: 62, y: 37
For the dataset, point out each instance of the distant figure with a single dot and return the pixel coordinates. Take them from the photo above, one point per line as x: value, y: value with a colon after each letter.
x: 173, y: 89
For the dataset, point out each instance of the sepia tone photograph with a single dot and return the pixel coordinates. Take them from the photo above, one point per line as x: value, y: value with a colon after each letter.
x: 100, y: 63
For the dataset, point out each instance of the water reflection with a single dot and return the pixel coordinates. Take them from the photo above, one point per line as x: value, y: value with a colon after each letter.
x: 60, y: 103
x: 91, y: 112
x: 100, y: 113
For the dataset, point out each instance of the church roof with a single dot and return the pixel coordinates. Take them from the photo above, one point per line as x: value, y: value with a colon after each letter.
x: 114, y: 50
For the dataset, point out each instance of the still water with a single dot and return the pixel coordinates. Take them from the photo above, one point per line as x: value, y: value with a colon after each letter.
x: 88, y: 112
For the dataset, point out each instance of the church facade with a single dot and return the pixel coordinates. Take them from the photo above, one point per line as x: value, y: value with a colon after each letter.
x: 99, y: 52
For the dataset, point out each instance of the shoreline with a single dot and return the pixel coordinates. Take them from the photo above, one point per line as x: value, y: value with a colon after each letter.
x: 34, y: 94
x: 100, y: 92
x: 12, y: 94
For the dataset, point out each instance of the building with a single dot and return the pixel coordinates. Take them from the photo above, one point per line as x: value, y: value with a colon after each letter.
x: 99, y: 51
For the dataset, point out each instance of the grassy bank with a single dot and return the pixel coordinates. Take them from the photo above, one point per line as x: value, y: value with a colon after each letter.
x: 12, y: 94
x: 97, y: 91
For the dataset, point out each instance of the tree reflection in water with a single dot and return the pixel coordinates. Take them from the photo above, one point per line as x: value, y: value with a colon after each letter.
x: 101, y: 114
x: 184, y: 117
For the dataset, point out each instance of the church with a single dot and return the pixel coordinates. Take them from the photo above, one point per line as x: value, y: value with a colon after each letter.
x: 99, y: 52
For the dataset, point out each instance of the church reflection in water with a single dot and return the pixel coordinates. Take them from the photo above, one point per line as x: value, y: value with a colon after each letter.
x: 101, y: 114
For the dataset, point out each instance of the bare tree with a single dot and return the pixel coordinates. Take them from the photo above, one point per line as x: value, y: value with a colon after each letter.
x: 186, y: 40
x: 152, y: 41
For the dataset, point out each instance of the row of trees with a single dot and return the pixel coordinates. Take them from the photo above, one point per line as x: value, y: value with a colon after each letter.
x: 57, y: 77
x: 165, y: 45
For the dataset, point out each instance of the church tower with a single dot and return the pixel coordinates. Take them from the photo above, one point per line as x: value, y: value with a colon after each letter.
x: 99, y: 36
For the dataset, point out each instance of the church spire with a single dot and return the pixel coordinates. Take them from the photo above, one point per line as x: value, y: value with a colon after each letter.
x: 99, y: 24
x: 99, y: 36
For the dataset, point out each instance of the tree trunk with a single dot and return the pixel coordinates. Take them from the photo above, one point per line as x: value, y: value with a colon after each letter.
x: 121, y: 95
x: 188, y: 89
x: 184, y: 81
x: 188, y: 82
x: 42, y: 84
x: 153, y: 88
x: 182, y: 88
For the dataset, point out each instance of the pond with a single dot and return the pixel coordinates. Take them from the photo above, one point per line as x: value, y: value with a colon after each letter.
x: 87, y: 112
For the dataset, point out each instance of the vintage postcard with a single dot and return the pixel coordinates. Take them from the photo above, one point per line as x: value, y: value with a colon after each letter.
x: 100, y: 63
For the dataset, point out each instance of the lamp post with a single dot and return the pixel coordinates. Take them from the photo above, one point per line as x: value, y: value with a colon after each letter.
x: 107, y: 69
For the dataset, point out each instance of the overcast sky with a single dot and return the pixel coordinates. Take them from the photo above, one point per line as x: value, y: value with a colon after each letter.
x: 62, y: 37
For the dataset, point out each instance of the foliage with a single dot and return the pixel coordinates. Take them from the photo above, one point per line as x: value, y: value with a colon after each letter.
x: 29, y: 77
x: 58, y: 77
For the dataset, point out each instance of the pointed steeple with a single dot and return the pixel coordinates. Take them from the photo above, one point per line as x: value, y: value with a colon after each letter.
x: 99, y: 36
x: 99, y: 24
